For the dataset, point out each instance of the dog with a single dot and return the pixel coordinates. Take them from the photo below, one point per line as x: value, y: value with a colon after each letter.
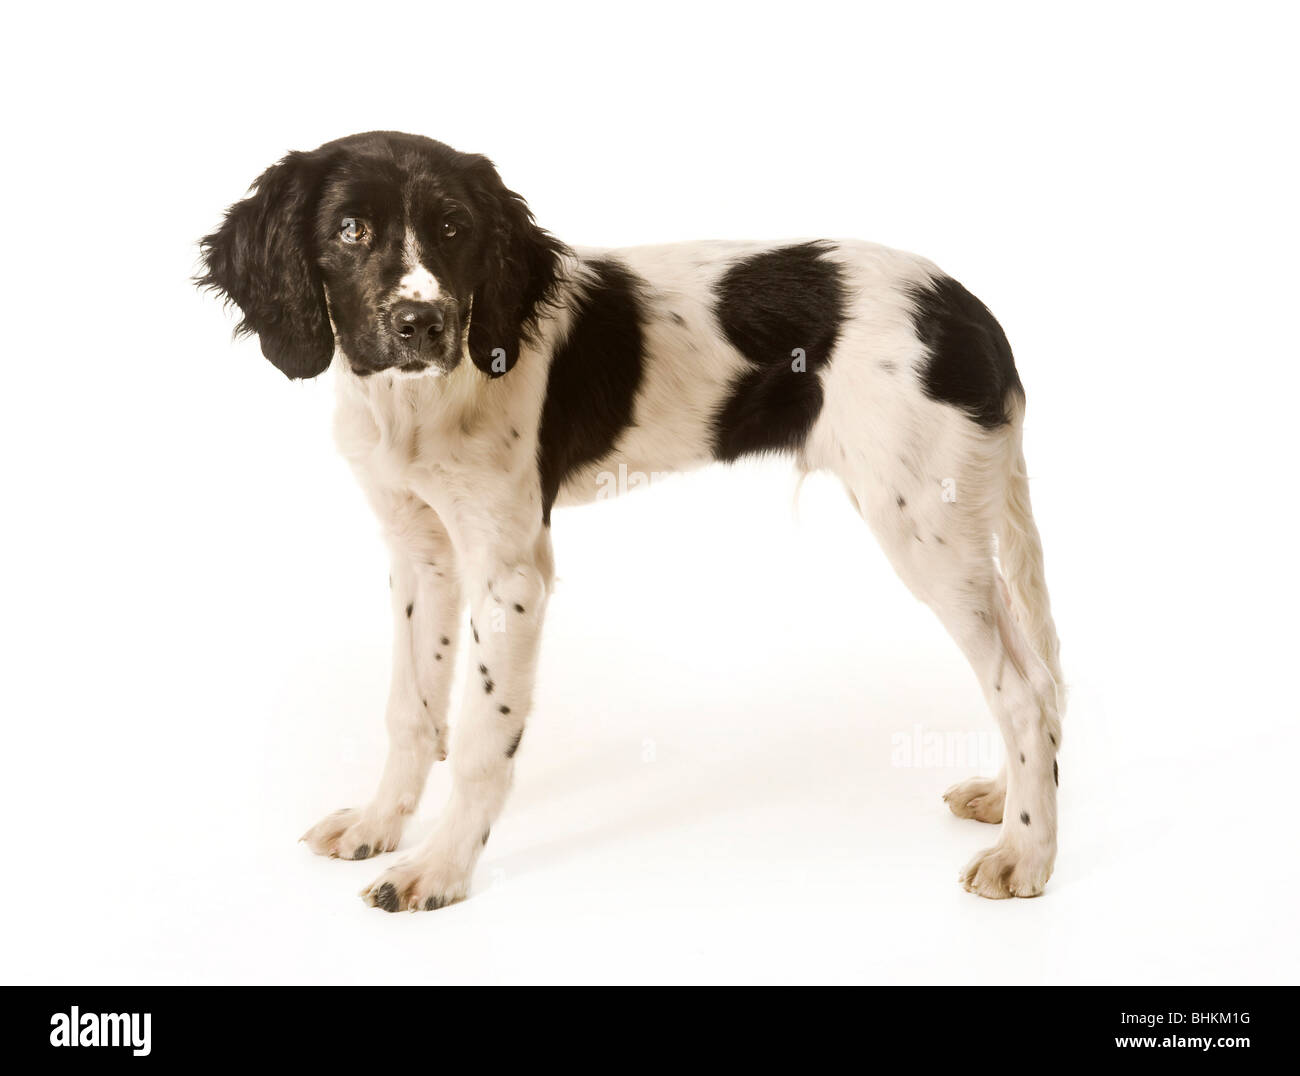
x: 487, y: 373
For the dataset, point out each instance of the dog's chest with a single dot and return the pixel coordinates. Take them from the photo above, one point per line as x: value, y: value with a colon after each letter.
x: 403, y: 442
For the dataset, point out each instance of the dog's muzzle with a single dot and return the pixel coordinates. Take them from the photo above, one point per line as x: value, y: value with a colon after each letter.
x: 424, y: 336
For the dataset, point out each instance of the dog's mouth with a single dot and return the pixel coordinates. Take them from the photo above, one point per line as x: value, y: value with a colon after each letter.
x: 380, y: 353
x: 413, y: 369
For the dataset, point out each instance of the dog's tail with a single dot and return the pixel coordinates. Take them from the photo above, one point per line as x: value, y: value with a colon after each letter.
x: 1020, y: 556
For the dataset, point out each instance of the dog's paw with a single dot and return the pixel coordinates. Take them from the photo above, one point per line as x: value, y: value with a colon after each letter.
x: 354, y: 834
x: 980, y: 798
x: 417, y: 885
x: 1006, y: 870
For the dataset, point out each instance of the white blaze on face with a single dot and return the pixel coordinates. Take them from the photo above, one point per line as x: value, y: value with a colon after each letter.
x: 418, y: 283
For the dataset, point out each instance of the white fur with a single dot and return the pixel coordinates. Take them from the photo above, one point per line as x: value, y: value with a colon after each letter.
x: 449, y: 465
x: 417, y: 282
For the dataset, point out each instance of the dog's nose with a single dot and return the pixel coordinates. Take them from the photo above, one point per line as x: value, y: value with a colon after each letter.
x: 416, y: 322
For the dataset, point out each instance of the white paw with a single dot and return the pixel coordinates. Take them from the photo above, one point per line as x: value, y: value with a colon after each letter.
x: 980, y: 798
x: 355, y: 834
x: 1007, y: 870
x: 420, y: 883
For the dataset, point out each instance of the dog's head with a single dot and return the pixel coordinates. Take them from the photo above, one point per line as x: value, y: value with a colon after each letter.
x: 418, y: 255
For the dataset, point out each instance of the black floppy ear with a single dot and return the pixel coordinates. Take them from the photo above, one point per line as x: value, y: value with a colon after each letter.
x: 261, y: 259
x: 522, y: 261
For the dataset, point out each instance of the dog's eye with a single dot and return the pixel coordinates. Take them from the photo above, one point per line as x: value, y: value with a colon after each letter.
x: 449, y: 229
x: 354, y: 230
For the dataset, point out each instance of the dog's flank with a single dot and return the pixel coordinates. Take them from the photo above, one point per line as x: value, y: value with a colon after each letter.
x: 487, y: 373
x: 782, y: 310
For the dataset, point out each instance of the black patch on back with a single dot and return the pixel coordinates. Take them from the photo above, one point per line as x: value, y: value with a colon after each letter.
x: 970, y: 364
x: 594, y: 378
x: 768, y: 305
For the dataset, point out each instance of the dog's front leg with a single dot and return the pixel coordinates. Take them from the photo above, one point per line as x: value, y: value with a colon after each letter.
x: 507, y: 592
x: 426, y: 601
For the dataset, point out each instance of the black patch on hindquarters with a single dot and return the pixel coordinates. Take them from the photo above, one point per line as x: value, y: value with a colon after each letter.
x: 594, y: 377
x: 970, y: 364
x: 514, y: 744
x: 771, y: 306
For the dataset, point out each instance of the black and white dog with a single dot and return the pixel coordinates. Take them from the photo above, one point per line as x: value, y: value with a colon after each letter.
x: 486, y: 372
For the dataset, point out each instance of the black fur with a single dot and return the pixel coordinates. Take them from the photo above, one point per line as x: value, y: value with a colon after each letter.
x: 769, y: 305
x: 594, y: 378
x: 970, y: 364
x: 260, y: 259
x: 514, y: 744
x: 522, y: 263
x: 279, y: 251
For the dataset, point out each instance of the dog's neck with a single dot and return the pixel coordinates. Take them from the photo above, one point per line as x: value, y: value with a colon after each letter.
x: 396, y: 401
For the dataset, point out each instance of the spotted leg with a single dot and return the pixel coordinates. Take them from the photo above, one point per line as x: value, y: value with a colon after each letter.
x: 1022, y: 697
x: 508, y: 591
x: 1021, y: 694
x: 426, y: 614
x: 943, y: 549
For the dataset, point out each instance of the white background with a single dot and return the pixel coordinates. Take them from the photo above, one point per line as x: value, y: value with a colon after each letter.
x: 714, y: 783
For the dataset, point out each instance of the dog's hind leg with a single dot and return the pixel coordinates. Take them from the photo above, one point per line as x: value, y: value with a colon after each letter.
x: 425, y: 596
x: 936, y: 515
